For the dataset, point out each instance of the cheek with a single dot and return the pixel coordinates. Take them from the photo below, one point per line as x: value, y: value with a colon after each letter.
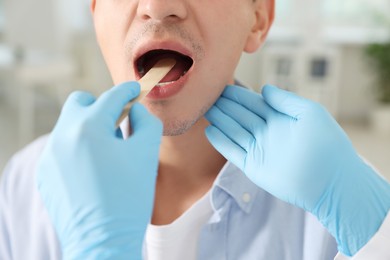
x: 116, y: 60
x: 227, y: 36
x: 111, y: 32
x: 229, y: 17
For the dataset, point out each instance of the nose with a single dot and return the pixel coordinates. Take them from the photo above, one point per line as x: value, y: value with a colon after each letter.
x: 161, y: 10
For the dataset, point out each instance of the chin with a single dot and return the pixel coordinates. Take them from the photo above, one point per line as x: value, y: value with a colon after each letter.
x: 176, y: 128
x: 172, y: 132
x: 175, y: 125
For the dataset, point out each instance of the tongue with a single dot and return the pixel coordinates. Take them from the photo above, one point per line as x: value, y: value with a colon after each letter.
x: 175, y: 73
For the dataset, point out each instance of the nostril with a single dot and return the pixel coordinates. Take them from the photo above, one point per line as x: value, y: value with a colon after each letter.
x: 169, y: 17
x: 145, y: 17
x: 161, y: 10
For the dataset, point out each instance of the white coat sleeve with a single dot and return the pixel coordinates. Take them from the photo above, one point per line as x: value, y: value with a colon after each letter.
x: 5, y: 239
x: 25, y: 227
x: 377, y: 248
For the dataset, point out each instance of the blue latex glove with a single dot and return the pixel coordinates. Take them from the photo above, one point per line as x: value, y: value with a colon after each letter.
x: 294, y: 149
x: 98, y: 188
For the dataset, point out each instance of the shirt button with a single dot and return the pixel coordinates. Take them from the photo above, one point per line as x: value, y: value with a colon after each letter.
x: 246, y: 197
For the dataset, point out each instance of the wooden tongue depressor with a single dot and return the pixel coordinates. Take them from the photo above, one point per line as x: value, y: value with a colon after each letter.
x: 147, y: 82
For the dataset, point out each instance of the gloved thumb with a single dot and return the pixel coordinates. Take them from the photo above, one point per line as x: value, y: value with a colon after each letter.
x: 284, y: 101
x: 144, y: 123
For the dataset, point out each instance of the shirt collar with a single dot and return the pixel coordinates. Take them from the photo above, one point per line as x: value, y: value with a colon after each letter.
x: 233, y: 182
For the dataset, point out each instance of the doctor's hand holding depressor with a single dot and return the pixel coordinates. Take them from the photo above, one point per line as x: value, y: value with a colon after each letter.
x: 292, y: 148
x: 97, y: 187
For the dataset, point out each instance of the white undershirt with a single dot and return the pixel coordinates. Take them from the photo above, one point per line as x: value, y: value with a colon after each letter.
x: 178, y: 240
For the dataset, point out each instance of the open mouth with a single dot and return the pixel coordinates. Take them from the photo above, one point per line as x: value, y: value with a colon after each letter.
x: 149, y: 59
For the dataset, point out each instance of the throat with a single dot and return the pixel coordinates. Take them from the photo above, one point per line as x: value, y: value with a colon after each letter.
x: 174, y: 196
x: 189, y: 165
x: 190, y: 155
x: 149, y: 59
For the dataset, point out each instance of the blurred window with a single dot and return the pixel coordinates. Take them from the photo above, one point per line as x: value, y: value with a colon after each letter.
x: 283, y: 66
x: 318, y: 68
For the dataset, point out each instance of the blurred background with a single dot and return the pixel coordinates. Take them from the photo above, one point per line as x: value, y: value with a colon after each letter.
x: 334, y: 52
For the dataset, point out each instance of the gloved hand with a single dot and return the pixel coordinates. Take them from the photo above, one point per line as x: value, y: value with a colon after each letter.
x: 98, y: 188
x: 292, y: 148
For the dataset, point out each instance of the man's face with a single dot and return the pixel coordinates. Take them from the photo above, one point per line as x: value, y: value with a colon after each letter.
x: 206, y: 37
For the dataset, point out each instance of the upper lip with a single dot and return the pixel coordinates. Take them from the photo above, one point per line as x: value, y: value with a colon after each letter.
x: 159, y: 45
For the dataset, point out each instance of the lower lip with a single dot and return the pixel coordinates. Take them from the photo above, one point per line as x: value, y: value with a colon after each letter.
x: 168, y: 90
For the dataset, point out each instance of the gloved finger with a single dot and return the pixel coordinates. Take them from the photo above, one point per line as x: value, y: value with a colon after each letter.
x: 76, y: 100
x: 144, y: 123
x: 249, y: 99
x: 111, y: 103
x: 229, y: 149
x: 233, y: 130
x: 253, y: 123
x: 284, y: 101
x: 81, y: 98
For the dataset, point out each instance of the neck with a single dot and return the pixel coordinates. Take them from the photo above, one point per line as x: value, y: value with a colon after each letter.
x: 190, y: 156
x: 188, y: 167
